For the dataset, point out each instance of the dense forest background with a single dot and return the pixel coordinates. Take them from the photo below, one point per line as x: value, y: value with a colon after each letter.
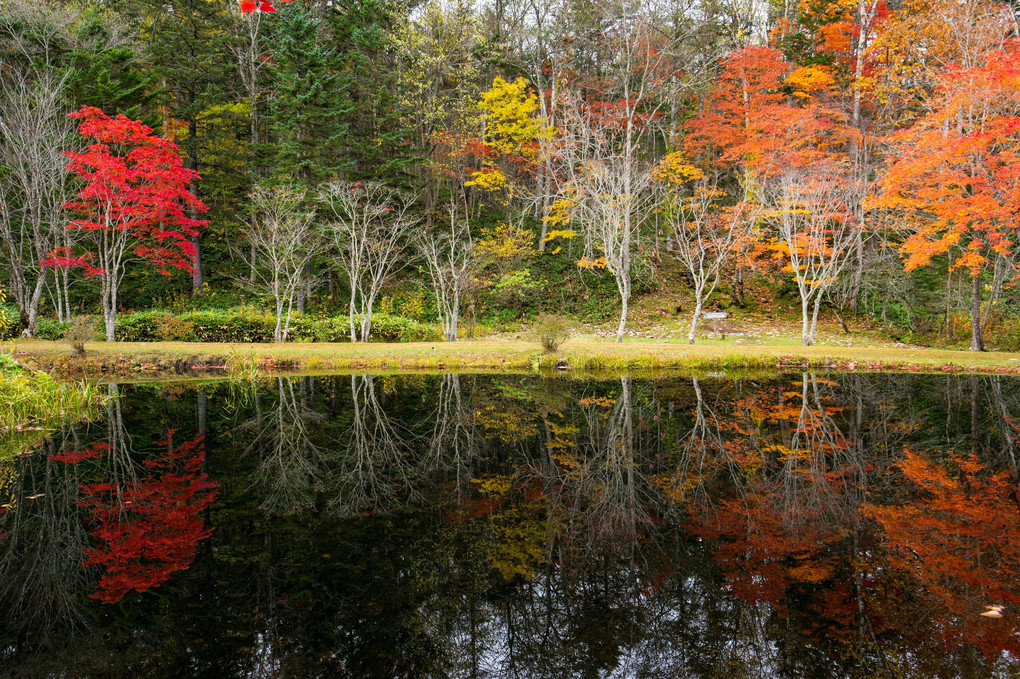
x: 395, y: 170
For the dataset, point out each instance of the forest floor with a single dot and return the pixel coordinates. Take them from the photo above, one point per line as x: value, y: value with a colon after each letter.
x: 586, y: 353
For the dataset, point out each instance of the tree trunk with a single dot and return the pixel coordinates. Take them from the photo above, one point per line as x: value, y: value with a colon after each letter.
x: 33, y: 306
x: 805, y: 338
x: 451, y: 335
x: 110, y: 320
x: 623, y: 316
x: 197, y: 275
x: 694, y: 322
x: 814, y: 320
x: 977, y: 340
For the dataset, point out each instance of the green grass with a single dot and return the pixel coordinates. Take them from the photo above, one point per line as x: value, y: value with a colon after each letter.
x: 580, y: 354
x: 34, y: 404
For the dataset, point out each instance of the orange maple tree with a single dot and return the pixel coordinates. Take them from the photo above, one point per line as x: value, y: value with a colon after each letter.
x: 954, y: 179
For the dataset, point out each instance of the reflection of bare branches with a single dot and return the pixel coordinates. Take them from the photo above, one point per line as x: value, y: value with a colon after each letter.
x: 700, y: 450
x: 121, y: 467
x: 290, y: 465
x: 454, y: 438
x: 375, y: 463
x: 41, y: 578
x: 821, y: 472
x: 609, y: 492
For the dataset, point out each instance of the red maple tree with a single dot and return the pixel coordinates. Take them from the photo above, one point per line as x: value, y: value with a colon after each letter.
x: 249, y: 6
x: 134, y: 204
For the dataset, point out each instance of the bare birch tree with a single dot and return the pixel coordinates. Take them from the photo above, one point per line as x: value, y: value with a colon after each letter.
x: 449, y: 259
x: 607, y: 176
x: 810, y: 210
x: 34, y: 132
x: 368, y: 227
x: 283, y: 241
x: 705, y: 236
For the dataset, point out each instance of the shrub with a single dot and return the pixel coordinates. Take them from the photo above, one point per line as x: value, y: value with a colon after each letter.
x: 246, y: 325
x: 551, y: 331
x: 48, y: 329
x: 82, y: 329
x: 386, y: 328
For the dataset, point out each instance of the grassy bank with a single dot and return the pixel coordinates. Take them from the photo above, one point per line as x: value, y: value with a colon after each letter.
x: 32, y: 404
x: 163, y: 358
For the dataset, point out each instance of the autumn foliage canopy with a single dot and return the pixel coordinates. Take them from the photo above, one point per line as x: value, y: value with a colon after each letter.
x: 136, y: 185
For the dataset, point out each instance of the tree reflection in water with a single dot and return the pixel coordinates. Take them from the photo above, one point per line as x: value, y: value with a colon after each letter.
x: 804, y: 525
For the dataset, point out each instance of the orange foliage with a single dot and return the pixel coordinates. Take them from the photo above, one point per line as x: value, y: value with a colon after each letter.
x: 956, y: 175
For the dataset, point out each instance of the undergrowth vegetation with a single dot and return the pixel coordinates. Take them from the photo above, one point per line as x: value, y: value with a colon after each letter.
x: 34, y: 403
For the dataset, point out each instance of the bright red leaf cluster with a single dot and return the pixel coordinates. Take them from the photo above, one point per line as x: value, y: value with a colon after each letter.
x: 149, y: 529
x: 249, y: 6
x: 136, y: 186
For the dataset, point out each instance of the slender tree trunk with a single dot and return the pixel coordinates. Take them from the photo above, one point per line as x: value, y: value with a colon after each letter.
x: 350, y: 316
x: 110, y: 312
x: 694, y: 320
x: 805, y: 338
x: 197, y: 274
x: 451, y: 335
x: 624, y: 299
x: 33, y: 305
x: 977, y: 341
x: 814, y: 320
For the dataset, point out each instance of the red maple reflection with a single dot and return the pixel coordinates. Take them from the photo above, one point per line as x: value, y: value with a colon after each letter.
x: 149, y: 529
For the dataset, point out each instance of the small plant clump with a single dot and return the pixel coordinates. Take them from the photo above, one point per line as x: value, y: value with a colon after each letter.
x: 82, y: 330
x: 552, y: 331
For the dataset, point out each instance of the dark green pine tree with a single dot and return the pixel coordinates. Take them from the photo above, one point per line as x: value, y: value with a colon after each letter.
x: 374, y: 143
x: 310, y: 101
x: 109, y: 77
x: 187, y: 47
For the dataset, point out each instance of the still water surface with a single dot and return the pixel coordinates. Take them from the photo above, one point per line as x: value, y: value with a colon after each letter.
x: 506, y: 526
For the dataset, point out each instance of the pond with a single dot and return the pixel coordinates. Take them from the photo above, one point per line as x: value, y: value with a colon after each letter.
x: 795, y: 525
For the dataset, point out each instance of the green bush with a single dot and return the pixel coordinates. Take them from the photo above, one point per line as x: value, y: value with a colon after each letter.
x: 551, y: 331
x: 245, y: 325
x: 83, y: 330
x: 231, y: 325
x: 386, y: 328
x: 48, y: 329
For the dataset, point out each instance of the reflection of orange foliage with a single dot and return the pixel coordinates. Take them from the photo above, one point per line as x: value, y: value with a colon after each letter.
x: 960, y: 539
x: 149, y: 529
x: 761, y: 552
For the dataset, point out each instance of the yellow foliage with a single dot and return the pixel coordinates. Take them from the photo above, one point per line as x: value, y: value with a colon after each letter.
x: 560, y: 212
x: 493, y: 486
x: 508, y: 427
x: 520, y: 539
x: 488, y: 179
x: 565, y: 234
x: 673, y: 169
x: 511, y: 127
x: 505, y: 245
x: 597, y: 263
x: 806, y: 80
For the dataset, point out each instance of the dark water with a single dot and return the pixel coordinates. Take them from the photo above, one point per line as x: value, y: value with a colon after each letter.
x: 470, y: 526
